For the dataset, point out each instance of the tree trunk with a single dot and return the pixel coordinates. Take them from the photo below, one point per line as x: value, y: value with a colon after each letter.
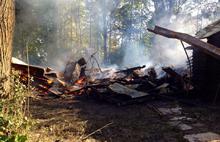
x: 105, y: 37
x: 7, y: 17
x: 105, y: 33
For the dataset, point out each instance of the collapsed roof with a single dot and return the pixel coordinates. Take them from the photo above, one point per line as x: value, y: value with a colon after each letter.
x: 209, y: 30
x: 196, y: 43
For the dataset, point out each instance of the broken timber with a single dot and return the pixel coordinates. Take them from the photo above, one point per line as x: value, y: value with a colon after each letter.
x: 121, y: 89
x: 196, y: 43
x: 127, y: 88
x: 74, y: 70
x: 174, y: 74
x: 131, y: 70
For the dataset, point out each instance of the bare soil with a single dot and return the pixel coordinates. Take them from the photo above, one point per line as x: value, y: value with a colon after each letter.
x: 75, y: 119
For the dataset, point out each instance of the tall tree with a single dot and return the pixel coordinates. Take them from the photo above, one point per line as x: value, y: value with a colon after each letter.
x: 105, y: 32
x: 7, y: 17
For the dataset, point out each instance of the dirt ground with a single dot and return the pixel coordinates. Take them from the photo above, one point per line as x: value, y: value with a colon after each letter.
x: 80, y: 118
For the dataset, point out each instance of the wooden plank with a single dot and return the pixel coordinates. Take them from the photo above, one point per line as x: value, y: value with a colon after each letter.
x: 34, y: 70
x: 121, y: 89
x: 195, y: 42
x: 131, y: 70
x: 209, y: 30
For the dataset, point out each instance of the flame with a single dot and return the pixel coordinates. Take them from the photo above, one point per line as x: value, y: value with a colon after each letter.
x: 49, y: 81
x: 81, y: 81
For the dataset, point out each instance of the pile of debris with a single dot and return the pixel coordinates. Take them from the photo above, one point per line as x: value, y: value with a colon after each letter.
x: 127, y: 85
x: 117, y: 86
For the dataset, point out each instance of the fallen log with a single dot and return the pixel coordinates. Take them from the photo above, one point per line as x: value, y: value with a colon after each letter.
x: 195, y: 42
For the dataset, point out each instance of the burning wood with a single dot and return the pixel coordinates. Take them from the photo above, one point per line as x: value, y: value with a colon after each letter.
x: 74, y: 70
x: 81, y: 81
x: 110, y: 84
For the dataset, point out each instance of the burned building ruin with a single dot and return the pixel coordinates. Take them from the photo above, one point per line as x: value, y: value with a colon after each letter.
x: 206, y: 69
x: 205, y: 63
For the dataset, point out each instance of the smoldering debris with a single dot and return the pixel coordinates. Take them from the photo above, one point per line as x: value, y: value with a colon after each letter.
x: 125, y: 86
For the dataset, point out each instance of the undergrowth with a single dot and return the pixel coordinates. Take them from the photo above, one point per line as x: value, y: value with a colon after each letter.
x: 14, y: 115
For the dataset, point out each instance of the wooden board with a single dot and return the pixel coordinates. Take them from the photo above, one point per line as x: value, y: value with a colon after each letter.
x: 195, y: 42
x: 121, y: 89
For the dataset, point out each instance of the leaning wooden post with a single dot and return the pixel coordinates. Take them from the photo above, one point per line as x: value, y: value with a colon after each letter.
x: 195, y: 42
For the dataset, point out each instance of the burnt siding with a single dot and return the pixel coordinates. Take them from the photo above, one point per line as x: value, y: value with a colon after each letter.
x: 199, y: 71
x: 215, y: 39
x: 206, y: 70
x: 213, y: 65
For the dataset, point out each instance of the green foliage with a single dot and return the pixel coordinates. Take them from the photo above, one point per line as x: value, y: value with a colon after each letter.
x: 14, y: 123
x: 13, y: 138
x: 35, y: 27
x: 2, y: 89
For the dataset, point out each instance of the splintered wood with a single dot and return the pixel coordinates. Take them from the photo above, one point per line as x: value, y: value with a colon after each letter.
x: 74, y: 70
x: 129, y: 85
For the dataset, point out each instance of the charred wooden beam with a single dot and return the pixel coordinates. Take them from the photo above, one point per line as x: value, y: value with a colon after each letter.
x: 131, y: 70
x: 195, y: 42
x: 33, y: 70
x: 174, y: 75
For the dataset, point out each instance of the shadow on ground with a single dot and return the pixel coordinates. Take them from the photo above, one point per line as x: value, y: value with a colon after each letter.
x: 75, y: 120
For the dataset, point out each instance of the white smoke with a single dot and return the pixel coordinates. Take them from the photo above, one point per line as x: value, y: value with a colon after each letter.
x: 165, y: 52
x: 136, y: 55
x: 170, y: 52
